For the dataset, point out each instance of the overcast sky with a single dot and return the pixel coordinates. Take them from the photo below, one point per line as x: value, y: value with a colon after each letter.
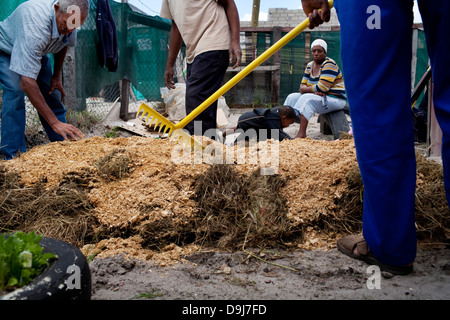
x: 152, y: 7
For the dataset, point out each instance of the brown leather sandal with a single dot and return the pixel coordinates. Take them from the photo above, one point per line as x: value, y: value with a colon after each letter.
x: 347, y: 245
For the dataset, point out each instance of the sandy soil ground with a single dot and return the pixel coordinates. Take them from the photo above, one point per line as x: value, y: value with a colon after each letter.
x: 273, y: 275
x: 270, y: 275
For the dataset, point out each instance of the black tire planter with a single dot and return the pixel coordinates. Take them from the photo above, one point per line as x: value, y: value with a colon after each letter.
x: 54, y: 283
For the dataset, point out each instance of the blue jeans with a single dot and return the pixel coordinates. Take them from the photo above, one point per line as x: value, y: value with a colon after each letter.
x: 13, y: 109
x: 377, y: 67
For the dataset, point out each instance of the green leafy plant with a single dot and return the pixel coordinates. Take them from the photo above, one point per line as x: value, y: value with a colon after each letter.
x: 21, y: 259
x: 154, y: 293
x: 112, y: 133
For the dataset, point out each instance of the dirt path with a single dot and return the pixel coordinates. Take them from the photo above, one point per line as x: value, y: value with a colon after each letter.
x: 316, y: 275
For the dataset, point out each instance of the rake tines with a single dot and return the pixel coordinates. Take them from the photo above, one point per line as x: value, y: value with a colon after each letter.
x: 161, y: 124
x: 183, y: 137
x: 147, y: 113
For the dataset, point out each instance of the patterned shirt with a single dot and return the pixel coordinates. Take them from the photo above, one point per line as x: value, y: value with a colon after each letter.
x: 329, y: 80
x: 30, y: 33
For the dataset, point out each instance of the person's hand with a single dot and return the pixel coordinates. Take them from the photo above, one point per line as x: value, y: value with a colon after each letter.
x: 56, y: 83
x: 235, y: 55
x: 67, y: 131
x: 316, y: 17
x: 305, y: 89
x: 322, y: 94
x: 168, y: 78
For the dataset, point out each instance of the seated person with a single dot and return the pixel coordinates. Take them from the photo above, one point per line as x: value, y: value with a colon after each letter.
x: 259, y: 123
x: 322, y: 89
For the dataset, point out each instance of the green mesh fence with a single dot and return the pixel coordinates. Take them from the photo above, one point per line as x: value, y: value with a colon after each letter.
x: 9, y: 6
x: 142, y: 48
x: 294, y: 58
x: 293, y: 65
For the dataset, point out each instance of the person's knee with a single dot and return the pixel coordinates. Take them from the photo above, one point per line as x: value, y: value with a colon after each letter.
x: 291, y: 99
x: 307, y: 108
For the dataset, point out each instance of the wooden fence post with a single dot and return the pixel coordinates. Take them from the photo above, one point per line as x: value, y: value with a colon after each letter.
x: 69, y: 80
x: 276, y: 74
x: 124, y: 98
x: 434, y: 136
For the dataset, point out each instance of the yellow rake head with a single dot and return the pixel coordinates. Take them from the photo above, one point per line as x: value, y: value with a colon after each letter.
x: 152, y: 117
x: 162, y: 125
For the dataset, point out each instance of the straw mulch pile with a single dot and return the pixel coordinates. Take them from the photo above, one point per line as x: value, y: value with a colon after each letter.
x: 128, y: 195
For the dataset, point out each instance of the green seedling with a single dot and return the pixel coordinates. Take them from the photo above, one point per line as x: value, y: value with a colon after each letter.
x: 112, y: 133
x: 21, y: 259
x: 149, y: 295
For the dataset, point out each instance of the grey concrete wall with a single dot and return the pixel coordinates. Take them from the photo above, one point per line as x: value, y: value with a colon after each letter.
x: 282, y: 17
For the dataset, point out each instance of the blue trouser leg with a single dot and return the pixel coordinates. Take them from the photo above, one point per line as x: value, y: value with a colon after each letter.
x: 13, y: 111
x: 204, y: 77
x: 437, y: 31
x: 53, y: 100
x: 377, y: 69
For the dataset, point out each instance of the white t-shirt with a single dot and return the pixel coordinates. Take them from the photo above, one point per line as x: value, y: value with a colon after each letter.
x: 203, y: 25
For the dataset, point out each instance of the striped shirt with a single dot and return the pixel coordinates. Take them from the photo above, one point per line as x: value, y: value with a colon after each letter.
x: 30, y: 33
x: 329, y: 80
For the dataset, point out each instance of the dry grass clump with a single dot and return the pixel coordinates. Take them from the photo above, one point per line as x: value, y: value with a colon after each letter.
x: 350, y: 204
x: 345, y: 136
x: 432, y: 213
x: 235, y: 209
x: 84, y: 178
x: 114, y: 165
x: 163, y: 230
x: 61, y: 213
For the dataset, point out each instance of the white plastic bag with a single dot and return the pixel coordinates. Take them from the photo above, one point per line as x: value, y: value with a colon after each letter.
x: 174, y: 100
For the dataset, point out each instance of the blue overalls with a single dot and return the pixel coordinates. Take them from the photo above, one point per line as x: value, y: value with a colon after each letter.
x: 376, y: 42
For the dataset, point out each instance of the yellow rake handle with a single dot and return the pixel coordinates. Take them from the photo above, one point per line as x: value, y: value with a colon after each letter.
x: 244, y: 72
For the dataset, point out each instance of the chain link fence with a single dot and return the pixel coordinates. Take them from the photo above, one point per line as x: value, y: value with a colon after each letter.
x: 142, y: 48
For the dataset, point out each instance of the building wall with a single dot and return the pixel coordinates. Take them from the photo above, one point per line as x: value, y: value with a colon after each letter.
x: 282, y: 17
